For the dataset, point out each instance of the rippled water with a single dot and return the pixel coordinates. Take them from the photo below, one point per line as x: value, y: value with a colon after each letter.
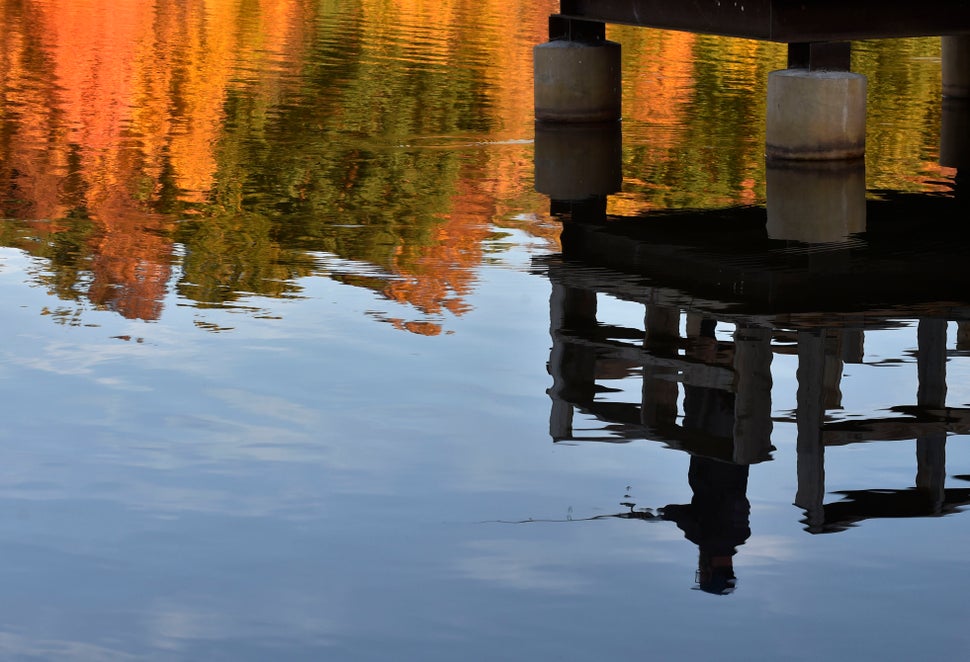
x: 296, y: 365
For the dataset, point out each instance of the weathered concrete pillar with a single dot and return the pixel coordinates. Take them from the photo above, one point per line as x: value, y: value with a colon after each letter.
x: 816, y: 115
x: 575, y: 162
x: 815, y: 201
x: 955, y: 116
x: 577, y: 74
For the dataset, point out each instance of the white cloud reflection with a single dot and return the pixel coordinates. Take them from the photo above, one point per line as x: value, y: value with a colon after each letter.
x: 521, y: 565
x: 20, y: 646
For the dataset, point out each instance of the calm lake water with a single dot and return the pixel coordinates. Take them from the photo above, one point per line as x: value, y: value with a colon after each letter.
x: 294, y: 366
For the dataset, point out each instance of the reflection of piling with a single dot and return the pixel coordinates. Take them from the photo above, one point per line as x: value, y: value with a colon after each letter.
x: 955, y: 133
x: 752, y: 405
x: 572, y: 366
x: 659, y: 390
x: 853, y: 345
x: 577, y: 162
x: 931, y: 447
x: 815, y: 201
x: 963, y: 336
x: 810, y: 414
x: 832, y: 385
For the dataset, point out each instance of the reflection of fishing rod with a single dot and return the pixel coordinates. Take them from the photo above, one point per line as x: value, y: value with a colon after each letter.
x: 633, y: 513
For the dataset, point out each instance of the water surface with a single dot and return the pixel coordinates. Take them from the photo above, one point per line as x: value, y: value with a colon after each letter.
x: 283, y: 347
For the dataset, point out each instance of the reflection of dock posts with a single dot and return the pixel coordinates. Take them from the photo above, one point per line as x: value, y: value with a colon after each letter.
x: 833, y: 369
x: 659, y: 390
x: 572, y: 366
x: 955, y: 117
x: 810, y: 414
x: 816, y: 107
x: 963, y: 336
x: 853, y: 345
x: 931, y: 448
x: 752, y: 405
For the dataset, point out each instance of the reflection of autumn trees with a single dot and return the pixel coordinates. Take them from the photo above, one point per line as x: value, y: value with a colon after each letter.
x: 901, y: 70
x: 702, y: 112
x: 116, y: 108
x: 374, y: 158
x: 247, y: 137
x: 281, y: 127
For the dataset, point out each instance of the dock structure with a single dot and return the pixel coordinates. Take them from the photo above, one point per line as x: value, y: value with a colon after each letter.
x: 794, y: 278
x: 710, y: 395
x: 816, y: 110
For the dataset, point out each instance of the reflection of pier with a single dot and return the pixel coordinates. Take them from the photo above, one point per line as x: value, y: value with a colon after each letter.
x: 735, y: 379
x: 816, y: 302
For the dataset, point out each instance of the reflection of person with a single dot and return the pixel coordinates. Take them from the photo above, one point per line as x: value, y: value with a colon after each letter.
x: 716, y: 519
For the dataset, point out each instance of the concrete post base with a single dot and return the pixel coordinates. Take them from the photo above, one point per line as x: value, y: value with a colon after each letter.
x: 816, y: 115
x: 577, y: 81
x: 815, y: 202
x: 578, y: 161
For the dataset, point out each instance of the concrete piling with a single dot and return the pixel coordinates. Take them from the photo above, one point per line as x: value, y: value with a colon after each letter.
x: 577, y: 81
x: 816, y: 115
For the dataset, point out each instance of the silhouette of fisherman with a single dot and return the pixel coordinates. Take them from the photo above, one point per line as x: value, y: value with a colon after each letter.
x: 717, y: 518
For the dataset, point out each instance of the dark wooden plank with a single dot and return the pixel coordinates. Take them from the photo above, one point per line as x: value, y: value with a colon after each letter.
x: 822, y: 20
x: 727, y: 17
x: 921, y: 422
x: 784, y: 20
